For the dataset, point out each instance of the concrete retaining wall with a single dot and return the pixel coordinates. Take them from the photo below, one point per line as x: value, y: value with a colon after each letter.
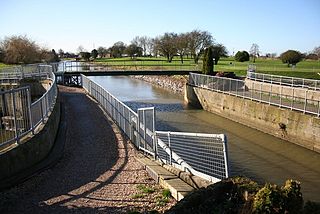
x: 293, y: 126
x: 33, y: 150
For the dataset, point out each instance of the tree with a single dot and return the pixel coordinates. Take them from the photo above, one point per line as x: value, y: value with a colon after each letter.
x: 207, y: 67
x: 94, y: 53
x: 182, y: 45
x: 254, y: 51
x: 49, y: 56
x: 80, y: 49
x: 141, y: 41
x: 242, y: 56
x: 198, y: 41
x: 117, y: 49
x: 218, y: 51
x: 166, y: 44
x: 291, y: 57
x: 102, y: 52
x: 61, y: 53
x: 316, y: 51
x: 85, y: 55
x: 133, y: 50
x: 20, y: 49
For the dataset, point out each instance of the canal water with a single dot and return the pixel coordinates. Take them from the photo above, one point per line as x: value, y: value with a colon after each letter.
x: 252, y: 153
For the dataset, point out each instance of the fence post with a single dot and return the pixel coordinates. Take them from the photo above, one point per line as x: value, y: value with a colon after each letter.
x: 15, y: 117
x: 169, y: 144
x: 305, y: 102
x: 29, y: 109
x: 154, y: 134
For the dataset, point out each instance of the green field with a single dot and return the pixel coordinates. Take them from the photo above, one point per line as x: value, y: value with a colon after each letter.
x: 2, y: 65
x: 304, y: 69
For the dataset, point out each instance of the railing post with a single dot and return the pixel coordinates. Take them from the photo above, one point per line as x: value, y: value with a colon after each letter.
x: 169, y: 144
x: 15, y: 117
x: 29, y: 109
x: 305, y: 101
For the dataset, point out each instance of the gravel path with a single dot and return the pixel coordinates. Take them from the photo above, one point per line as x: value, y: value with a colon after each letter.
x: 97, y: 173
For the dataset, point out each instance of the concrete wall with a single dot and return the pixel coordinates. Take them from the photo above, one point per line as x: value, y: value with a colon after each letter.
x: 293, y: 126
x: 33, y: 150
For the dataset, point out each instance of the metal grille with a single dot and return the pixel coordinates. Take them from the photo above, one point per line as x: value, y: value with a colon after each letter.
x: 204, y: 155
x: 298, y: 99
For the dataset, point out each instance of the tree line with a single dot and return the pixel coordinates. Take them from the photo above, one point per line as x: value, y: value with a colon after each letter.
x: 190, y: 44
x: 22, y: 50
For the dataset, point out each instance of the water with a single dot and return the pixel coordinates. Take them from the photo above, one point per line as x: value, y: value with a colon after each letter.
x: 251, y: 153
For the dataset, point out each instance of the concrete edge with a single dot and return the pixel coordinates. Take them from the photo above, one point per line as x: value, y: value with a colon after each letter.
x: 178, y: 188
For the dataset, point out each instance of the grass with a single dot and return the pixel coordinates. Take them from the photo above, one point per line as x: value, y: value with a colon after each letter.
x: 305, y: 69
x: 2, y: 65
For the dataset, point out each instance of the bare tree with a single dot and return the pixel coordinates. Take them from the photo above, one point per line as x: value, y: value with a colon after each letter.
x: 141, y: 41
x: 80, y: 49
x: 316, y: 51
x: 20, y: 49
x: 198, y: 41
x: 254, y: 51
x: 182, y: 44
x: 166, y: 44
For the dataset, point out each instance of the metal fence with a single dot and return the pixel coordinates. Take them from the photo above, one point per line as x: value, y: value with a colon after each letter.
x: 259, y: 93
x: 18, y: 115
x: 283, y: 80
x: 204, y: 155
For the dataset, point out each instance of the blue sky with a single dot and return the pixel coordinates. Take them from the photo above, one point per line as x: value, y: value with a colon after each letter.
x: 275, y: 25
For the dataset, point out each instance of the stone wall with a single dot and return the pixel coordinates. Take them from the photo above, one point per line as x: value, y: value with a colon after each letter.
x: 293, y: 126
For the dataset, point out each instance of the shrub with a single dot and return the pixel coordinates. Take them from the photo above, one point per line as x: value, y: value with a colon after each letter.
x: 293, y: 201
x: 242, y: 56
x: 291, y: 57
x: 207, y: 66
x: 268, y: 200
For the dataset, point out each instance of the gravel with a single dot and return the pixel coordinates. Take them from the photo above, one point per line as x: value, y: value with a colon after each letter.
x: 97, y: 173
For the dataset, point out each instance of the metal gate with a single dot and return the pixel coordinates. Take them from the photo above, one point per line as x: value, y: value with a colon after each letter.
x: 146, y: 130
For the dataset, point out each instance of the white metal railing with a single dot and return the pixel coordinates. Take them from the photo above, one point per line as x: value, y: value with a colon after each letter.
x: 283, y: 80
x: 19, y: 116
x: 204, y: 155
x: 256, y: 92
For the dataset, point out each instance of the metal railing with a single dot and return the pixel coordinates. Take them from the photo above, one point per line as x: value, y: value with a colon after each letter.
x: 204, y: 155
x: 283, y: 80
x: 124, y: 65
x: 258, y: 93
x: 19, y: 116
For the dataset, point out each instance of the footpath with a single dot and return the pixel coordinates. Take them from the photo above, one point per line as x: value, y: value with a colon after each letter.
x: 96, y: 171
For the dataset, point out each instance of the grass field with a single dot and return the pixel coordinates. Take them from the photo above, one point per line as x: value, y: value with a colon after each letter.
x: 304, y: 69
x: 2, y: 65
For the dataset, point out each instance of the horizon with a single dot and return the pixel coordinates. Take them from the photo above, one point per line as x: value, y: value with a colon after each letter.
x: 100, y: 23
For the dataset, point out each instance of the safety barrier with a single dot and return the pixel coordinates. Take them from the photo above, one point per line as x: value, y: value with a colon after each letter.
x: 19, y: 116
x: 204, y: 155
x: 239, y: 88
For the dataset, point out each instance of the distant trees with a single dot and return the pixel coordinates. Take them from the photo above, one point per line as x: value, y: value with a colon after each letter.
x: 166, y: 44
x: 94, y: 53
x: 316, y: 51
x: 198, y: 41
x: 218, y: 51
x: 242, y: 56
x: 207, y: 66
x: 20, y: 49
x: 254, y: 51
x: 102, y: 51
x: 85, y: 55
x: 118, y: 49
x: 182, y: 45
x: 291, y: 57
x: 133, y: 51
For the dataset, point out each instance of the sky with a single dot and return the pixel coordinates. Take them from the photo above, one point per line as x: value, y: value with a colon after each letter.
x: 275, y: 25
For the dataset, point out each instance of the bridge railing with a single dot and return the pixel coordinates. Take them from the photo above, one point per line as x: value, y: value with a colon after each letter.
x: 204, y: 155
x: 283, y: 80
x: 19, y: 116
x: 78, y: 66
x: 257, y: 92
